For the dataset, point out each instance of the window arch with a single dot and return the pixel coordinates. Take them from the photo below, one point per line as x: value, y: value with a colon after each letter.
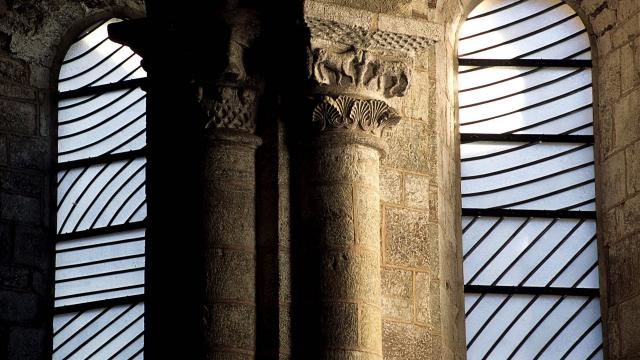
x: 527, y: 183
x: 100, y: 201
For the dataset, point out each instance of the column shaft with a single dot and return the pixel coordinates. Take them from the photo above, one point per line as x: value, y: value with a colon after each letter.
x: 229, y: 232
x: 344, y: 225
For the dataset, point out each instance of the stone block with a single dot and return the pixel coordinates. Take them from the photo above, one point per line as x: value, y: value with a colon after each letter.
x: 28, y: 343
x: 614, y: 180
x: 339, y: 325
x: 416, y: 191
x: 624, y: 267
x: 14, y: 71
x: 367, y: 217
x: 610, y: 78
x: 629, y: 331
x: 351, y: 275
x: 20, y: 208
x: 409, y: 239
x: 19, y: 307
x: 346, y: 163
x: 332, y: 215
x: 14, y: 277
x: 397, y: 294
x: 236, y: 208
x: 376, y: 6
x: 17, y: 91
x: 6, y: 241
x: 17, y: 117
x: 28, y: 153
x: 20, y: 183
x: 627, y: 119
x: 604, y: 21
x: 4, y: 157
x: 408, y: 147
x: 632, y: 168
x: 406, y: 342
x: 230, y: 275
x: 390, y: 185
x: 427, y: 295
x: 231, y: 325
x: 630, y: 215
x: 370, y: 328
x: 628, y: 70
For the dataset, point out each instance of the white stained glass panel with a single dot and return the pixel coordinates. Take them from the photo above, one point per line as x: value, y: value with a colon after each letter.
x: 526, y: 100
x: 535, y: 252
x: 101, y: 195
x: 99, y: 267
x: 525, y: 326
x: 540, y: 29
x: 546, y: 176
x: 95, y: 60
x: 102, y: 333
x: 102, y: 124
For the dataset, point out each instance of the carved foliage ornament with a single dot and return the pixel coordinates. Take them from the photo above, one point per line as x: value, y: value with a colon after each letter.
x: 231, y: 108
x: 345, y: 112
x: 361, y: 70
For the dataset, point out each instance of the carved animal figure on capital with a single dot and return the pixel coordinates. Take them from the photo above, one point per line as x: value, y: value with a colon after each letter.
x: 361, y: 69
x: 332, y: 68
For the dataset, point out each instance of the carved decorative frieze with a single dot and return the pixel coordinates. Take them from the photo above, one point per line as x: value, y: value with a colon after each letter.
x: 356, y: 69
x: 230, y: 107
x: 349, y: 113
x: 362, y: 38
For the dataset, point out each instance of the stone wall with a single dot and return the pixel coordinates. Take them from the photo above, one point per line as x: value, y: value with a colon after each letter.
x: 31, y: 34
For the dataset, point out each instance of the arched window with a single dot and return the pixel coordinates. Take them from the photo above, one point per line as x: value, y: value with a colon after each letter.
x: 528, y: 195
x: 101, y: 201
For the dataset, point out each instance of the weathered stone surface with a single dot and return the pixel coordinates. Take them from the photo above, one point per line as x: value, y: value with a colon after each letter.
x: 17, y: 117
x: 20, y: 208
x: 340, y: 325
x: 28, y: 343
x: 19, y: 307
x: 351, y: 276
x: 624, y: 263
x: 390, y: 185
x: 614, y: 180
x: 408, y: 147
x: 231, y: 275
x: 397, y: 294
x: 632, y: 168
x: 231, y: 325
x: 409, y: 239
x: 406, y: 341
x: 20, y: 183
x: 28, y: 153
x: 416, y: 191
x: 375, y: 5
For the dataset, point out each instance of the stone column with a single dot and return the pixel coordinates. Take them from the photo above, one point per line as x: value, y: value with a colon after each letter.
x: 229, y: 194
x: 229, y: 311
x: 344, y: 224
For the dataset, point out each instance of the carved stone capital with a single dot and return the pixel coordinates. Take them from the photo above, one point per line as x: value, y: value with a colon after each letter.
x: 357, y: 71
x: 228, y: 107
x: 352, y: 114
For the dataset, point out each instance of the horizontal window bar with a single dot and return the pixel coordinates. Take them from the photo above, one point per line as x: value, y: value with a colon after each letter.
x: 101, y: 89
x: 107, y: 158
x: 525, y: 62
x: 560, y: 214
x: 532, y: 290
x: 465, y: 138
x: 102, y: 231
x: 99, y: 304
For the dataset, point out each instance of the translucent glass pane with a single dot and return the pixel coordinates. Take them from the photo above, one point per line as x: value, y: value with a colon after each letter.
x: 539, y: 29
x: 103, y: 333
x: 101, y: 124
x: 95, y: 60
x: 528, y: 326
x: 526, y: 100
x: 535, y: 252
x: 538, y: 176
x: 99, y: 267
x: 101, y: 195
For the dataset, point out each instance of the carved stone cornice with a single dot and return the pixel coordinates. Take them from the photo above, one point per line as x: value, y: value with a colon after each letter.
x: 353, y: 114
x: 360, y: 37
x: 230, y: 107
x: 354, y: 70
